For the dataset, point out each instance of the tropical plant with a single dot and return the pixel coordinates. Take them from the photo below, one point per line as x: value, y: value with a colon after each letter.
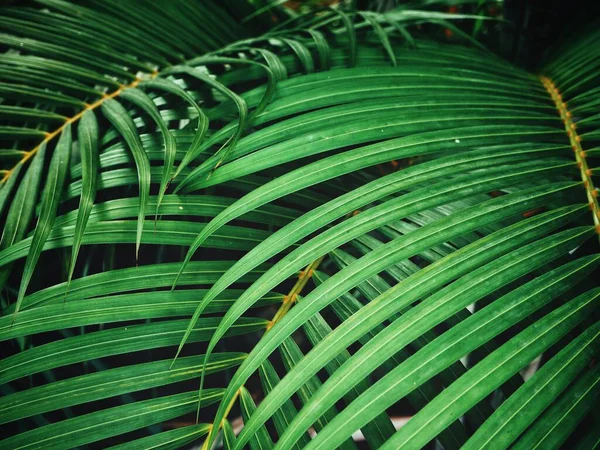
x: 353, y: 216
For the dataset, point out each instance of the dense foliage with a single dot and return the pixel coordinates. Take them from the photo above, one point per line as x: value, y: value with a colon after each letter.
x: 351, y: 219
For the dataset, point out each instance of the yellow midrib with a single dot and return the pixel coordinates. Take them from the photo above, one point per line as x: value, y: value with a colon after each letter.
x: 89, y: 107
x: 580, y: 156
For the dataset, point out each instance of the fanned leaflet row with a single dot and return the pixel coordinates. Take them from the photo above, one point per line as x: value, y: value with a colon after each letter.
x: 315, y: 225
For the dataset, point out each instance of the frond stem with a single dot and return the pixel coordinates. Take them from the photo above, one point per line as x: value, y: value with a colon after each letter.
x: 580, y: 155
x: 291, y: 298
x: 287, y: 303
x: 27, y: 155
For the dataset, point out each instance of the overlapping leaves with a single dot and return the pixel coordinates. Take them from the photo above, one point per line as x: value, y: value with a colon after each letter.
x: 435, y: 188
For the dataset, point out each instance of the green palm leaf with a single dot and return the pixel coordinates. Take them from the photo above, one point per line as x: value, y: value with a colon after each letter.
x: 370, y: 230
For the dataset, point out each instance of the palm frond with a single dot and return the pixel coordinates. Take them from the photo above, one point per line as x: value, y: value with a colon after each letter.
x: 353, y: 215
